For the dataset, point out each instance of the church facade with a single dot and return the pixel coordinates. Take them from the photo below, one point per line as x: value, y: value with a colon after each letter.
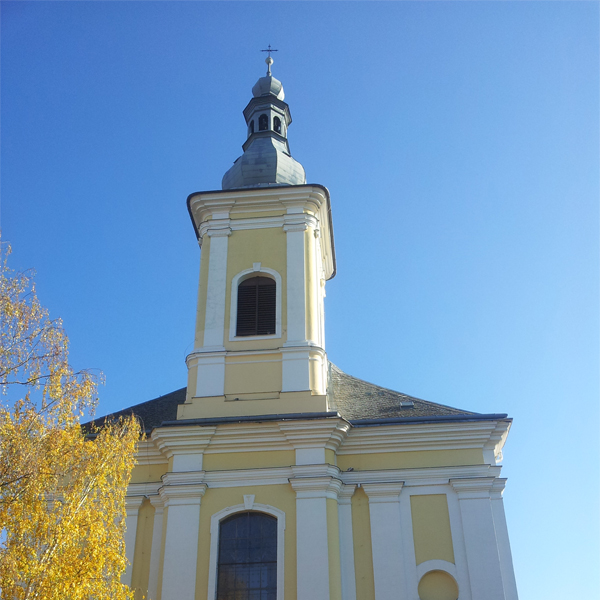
x: 273, y: 475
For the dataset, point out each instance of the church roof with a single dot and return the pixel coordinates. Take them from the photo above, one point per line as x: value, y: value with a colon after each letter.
x: 355, y: 400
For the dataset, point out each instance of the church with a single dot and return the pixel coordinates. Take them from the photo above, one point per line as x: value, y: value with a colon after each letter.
x: 274, y: 475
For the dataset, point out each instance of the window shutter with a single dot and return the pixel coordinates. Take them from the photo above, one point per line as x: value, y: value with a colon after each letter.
x: 256, y: 307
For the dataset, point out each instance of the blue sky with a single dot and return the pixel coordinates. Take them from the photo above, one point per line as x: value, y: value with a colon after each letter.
x: 459, y: 142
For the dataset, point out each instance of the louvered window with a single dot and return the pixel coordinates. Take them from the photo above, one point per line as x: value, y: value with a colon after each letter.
x: 263, y: 123
x: 256, y: 306
x: 247, y: 557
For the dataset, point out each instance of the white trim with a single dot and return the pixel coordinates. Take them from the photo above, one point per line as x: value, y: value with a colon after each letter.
x: 216, y: 288
x: 346, y: 542
x: 436, y: 565
x: 132, y: 507
x: 237, y: 279
x: 296, y: 286
x: 157, y: 535
x: 215, y: 522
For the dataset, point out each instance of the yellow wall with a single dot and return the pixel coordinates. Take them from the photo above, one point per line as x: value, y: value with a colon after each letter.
x: 438, y: 585
x: 147, y: 473
x: 140, y: 573
x: 363, y: 556
x: 268, y: 247
x: 216, y: 499
x: 408, y: 460
x: 228, y: 461
x: 431, y: 528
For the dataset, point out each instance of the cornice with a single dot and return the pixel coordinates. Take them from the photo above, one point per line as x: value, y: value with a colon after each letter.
x: 133, y: 504
x: 293, y: 199
x: 448, y: 435
x: 143, y: 489
x: 345, y: 494
x: 191, y: 439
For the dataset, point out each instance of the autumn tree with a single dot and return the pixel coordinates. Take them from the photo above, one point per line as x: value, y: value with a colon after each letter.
x: 62, y: 488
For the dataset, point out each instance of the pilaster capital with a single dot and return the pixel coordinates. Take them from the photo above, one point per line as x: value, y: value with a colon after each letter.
x: 132, y: 505
x: 383, y: 492
x: 183, y: 495
x: 189, y: 439
x: 498, y: 488
x: 158, y: 502
x: 316, y: 487
x: 299, y: 222
x: 345, y: 494
x: 470, y: 488
x: 327, y: 434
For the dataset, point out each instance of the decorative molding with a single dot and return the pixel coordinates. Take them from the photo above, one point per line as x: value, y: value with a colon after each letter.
x: 345, y: 494
x: 148, y: 454
x: 187, y: 439
x: 327, y: 434
x: 473, y: 487
x: 143, y: 489
x: 183, y: 495
x: 133, y: 504
x: 383, y: 492
x: 316, y: 487
x: 498, y: 488
x: 424, y: 436
x: 215, y: 522
x: 249, y: 501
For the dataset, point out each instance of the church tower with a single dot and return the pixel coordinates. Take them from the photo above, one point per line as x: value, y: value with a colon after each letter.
x: 267, y: 251
x: 274, y: 475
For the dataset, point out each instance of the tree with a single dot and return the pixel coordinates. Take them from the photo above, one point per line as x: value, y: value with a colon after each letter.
x: 62, y: 488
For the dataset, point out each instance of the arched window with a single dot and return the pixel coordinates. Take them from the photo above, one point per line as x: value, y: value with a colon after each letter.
x: 247, y: 563
x: 252, y: 127
x: 256, y: 306
x: 277, y: 125
x: 263, y: 123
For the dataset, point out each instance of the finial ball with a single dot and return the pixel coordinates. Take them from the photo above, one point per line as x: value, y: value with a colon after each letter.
x: 269, y: 60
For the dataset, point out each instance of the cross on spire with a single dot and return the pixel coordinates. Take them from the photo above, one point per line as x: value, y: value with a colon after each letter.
x: 269, y: 60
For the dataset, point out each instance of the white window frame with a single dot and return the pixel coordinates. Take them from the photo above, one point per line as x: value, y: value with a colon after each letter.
x: 215, y: 523
x: 256, y: 270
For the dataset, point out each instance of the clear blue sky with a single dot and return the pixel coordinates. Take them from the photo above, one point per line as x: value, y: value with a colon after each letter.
x: 460, y: 144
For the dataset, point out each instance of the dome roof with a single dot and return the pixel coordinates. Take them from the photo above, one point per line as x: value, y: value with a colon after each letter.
x: 268, y: 85
x: 266, y: 162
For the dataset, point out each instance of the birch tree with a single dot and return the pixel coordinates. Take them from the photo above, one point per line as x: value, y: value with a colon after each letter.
x: 62, y: 489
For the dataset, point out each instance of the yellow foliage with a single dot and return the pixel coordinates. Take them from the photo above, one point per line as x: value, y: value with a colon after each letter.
x: 62, y: 489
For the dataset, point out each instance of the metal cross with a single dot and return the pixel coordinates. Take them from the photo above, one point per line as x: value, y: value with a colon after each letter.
x: 269, y: 50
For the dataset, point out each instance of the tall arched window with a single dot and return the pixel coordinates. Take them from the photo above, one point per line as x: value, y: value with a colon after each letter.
x: 277, y: 125
x: 252, y: 127
x: 256, y: 306
x: 247, y: 564
x: 263, y: 123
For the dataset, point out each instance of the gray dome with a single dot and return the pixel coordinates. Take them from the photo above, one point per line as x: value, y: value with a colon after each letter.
x: 268, y: 85
x: 265, y: 162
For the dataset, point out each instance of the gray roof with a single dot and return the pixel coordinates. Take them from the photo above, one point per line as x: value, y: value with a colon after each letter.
x: 354, y: 399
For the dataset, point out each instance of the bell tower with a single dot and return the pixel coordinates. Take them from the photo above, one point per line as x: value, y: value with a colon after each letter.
x: 267, y: 251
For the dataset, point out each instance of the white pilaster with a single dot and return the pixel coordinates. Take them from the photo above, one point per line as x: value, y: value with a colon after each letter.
x: 479, y: 532
x: 347, y: 542
x: 386, y: 540
x: 506, y: 564
x: 214, y: 322
x: 159, y: 505
x: 296, y: 279
x: 132, y: 507
x: 181, y: 540
x: 312, y: 550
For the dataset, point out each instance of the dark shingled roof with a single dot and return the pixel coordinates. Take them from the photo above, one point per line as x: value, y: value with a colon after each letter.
x: 353, y: 398
x: 356, y: 400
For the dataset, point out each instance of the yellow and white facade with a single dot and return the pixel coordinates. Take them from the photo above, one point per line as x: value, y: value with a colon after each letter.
x: 376, y: 496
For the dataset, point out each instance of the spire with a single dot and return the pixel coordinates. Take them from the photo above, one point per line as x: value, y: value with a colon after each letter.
x: 266, y: 159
